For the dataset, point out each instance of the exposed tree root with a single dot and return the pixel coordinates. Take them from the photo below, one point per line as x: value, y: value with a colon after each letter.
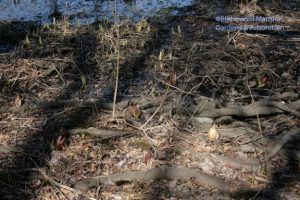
x: 285, y: 139
x: 143, y: 103
x: 251, y: 110
x: 79, y: 104
x: 260, y: 108
x: 158, y: 173
x: 99, y: 132
x: 234, y: 132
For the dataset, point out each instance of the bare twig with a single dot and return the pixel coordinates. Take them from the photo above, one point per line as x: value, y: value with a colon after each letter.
x: 117, y: 71
x: 48, y: 178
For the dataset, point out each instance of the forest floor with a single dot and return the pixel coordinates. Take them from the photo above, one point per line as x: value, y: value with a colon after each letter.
x: 199, y: 113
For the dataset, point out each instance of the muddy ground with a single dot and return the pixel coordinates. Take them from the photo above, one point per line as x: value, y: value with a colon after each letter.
x: 166, y: 108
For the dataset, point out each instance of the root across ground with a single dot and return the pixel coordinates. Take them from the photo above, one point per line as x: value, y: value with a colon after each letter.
x: 60, y: 141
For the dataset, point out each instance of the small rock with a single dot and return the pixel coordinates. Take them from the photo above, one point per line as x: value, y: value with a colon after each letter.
x: 202, y: 123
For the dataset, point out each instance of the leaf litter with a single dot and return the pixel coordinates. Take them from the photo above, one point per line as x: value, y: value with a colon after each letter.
x: 59, y: 136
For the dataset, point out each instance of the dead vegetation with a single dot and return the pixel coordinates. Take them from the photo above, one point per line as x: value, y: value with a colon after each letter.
x: 67, y: 131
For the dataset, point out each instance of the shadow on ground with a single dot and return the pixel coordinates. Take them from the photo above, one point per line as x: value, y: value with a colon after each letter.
x: 20, y: 169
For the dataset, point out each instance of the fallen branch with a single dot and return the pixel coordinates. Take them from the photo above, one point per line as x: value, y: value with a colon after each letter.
x: 158, y: 173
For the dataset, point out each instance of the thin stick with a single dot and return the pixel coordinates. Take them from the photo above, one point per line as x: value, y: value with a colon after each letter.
x: 117, y: 72
x: 255, y: 107
x: 59, y: 185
